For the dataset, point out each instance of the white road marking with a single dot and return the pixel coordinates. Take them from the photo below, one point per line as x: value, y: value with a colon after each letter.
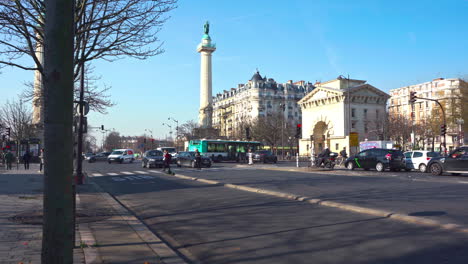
x: 127, y: 172
x: 112, y: 174
x: 131, y: 178
x: 96, y: 174
x: 141, y: 172
x: 155, y: 171
x: 466, y: 182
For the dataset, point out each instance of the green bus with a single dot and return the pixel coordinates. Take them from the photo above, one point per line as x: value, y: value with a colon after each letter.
x: 223, y: 150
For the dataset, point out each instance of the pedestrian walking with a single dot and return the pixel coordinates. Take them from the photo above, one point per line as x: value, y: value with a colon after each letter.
x: 41, y: 160
x: 198, y: 159
x: 167, y: 161
x: 9, y: 159
x: 250, y: 156
x: 26, y: 159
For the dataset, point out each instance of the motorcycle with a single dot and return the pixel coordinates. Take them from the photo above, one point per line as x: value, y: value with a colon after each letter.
x: 328, y: 162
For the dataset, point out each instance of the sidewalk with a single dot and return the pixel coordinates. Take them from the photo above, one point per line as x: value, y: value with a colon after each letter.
x: 20, y: 220
x: 106, y: 231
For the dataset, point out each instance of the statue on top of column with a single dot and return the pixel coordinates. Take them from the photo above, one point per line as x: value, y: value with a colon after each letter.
x: 207, y: 27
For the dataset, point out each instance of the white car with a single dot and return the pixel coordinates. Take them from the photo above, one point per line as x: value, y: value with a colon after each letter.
x: 121, y: 156
x: 418, y: 159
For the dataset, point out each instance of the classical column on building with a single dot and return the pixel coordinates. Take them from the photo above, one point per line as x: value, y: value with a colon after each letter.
x: 206, y: 48
x: 38, y: 98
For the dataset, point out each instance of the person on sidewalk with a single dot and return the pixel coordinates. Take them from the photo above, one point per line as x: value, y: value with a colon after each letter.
x: 198, y: 159
x: 41, y: 160
x: 167, y: 161
x: 9, y: 159
x: 26, y: 159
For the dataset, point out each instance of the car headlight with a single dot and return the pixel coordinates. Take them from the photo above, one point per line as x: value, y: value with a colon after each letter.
x: 152, y: 160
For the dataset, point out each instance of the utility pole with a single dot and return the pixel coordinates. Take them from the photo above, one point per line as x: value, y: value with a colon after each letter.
x: 58, y: 227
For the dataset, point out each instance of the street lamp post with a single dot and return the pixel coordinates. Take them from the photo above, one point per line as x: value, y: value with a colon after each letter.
x: 151, y: 134
x: 283, y: 108
x: 177, y: 130
x: 170, y: 129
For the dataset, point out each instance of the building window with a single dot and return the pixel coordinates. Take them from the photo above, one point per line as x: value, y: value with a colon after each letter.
x: 353, y: 124
x: 365, y: 113
x: 353, y: 112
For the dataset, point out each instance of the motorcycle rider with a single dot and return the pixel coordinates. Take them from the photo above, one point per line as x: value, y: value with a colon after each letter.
x: 323, y: 156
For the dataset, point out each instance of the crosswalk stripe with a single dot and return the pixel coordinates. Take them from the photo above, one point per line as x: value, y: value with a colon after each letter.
x: 127, y: 172
x: 112, y: 174
x: 96, y: 174
x: 154, y: 171
x: 142, y: 172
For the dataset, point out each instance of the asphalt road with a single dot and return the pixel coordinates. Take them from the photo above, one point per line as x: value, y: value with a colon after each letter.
x: 215, y: 224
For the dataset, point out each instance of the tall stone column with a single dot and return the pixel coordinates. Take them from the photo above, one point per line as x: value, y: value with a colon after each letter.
x: 38, y: 99
x: 206, y: 48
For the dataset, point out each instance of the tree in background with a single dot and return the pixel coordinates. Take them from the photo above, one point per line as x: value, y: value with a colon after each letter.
x: 399, y: 129
x: 17, y: 116
x: 113, y: 141
x: 188, y: 129
x: 90, y: 144
x: 267, y: 129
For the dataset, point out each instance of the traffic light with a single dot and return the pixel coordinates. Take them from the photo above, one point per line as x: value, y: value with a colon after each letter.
x: 412, y: 97
x: 298, y: 131
x: 102, y: 127
x: 443, y: 129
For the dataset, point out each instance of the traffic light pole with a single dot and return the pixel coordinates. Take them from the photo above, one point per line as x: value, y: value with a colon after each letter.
x: 443, y: 116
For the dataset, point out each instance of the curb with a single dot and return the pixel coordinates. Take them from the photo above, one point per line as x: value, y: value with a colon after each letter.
x: 347, y: 207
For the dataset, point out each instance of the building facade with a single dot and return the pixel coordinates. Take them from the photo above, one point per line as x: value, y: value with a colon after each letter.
x: 259, y: 97
x: 337, y: 108
x: 427, y: 116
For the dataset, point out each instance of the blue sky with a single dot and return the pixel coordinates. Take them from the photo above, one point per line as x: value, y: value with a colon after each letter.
x: 388, y: 43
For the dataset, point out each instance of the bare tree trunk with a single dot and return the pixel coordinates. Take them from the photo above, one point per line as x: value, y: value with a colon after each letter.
x: 58, y: 228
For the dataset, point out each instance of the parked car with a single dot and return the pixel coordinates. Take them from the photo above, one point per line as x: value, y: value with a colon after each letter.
x: 121, y: 156
x: 380, y: 159
x: 419, y: 159
x: 152, y: 158
x: 455, y: 163
x: 98, y: 157
x: 264, y: 156
x: 187, y: 158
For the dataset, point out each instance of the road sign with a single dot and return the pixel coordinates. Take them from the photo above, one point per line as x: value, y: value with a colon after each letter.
x: 354, y: 139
